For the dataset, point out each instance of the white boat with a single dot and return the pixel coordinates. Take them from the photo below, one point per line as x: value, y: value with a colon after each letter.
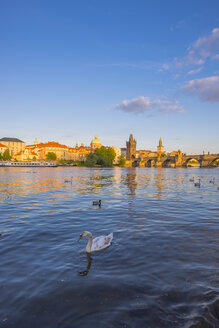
x: 28, y: 164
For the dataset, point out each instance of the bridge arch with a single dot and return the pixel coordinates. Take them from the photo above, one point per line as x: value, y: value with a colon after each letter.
x: 135, y: 163
x: 168, y: 163
x: 186, y: 163
x: 150, y: 163
x: 214, y: 160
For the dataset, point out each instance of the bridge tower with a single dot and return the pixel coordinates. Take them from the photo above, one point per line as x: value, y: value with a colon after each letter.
x: 130, y: 148
x: 160, y: 147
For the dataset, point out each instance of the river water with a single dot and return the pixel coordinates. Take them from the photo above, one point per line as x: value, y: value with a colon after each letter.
x: 162, y: 269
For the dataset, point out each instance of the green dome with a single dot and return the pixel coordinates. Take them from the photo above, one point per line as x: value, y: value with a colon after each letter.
x: 95, y: 141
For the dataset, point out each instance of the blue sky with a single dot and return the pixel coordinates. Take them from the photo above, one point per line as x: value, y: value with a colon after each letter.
x: 70, y: 70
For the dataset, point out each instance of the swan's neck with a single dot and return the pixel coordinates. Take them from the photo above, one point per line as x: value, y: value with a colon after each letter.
x: 89, y: 244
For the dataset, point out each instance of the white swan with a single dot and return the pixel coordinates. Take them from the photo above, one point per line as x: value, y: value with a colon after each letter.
x: 98, y: 243
x: 198, y: 184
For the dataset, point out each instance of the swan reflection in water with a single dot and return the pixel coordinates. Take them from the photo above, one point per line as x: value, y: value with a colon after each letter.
x: 89, y: 260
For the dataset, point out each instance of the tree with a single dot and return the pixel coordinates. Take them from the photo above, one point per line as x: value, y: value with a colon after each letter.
x: 6, y: 155
x: 163, y: 155
x: 0, y: 156
x: 106, y: 152
x: 104, y: 161
x: 91, y: 160
x: 51, y: 156
x: 122, y: 160
x: 102, y: 156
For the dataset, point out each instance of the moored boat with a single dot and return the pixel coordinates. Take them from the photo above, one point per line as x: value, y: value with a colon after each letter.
x: 28, y: 164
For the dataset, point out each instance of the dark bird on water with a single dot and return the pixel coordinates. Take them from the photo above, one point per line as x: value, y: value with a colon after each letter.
x: 97, y: 202
x: 67, y: 180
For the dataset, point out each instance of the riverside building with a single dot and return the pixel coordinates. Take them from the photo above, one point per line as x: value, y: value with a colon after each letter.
x: 2, y: 148
x: 14, y: 145
x: 40, y: 150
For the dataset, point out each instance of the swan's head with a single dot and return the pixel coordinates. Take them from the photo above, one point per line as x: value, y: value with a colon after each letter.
x: 83, y: 234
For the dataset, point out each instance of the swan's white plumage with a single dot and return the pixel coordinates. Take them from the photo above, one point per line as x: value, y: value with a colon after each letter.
x: 98, y: 243
x: 101, y: 242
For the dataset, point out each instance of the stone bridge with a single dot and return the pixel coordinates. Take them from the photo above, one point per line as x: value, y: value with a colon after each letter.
x: 179, y: 160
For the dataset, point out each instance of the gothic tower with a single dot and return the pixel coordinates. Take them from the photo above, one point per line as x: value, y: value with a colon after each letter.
x: 160, y: 148
x: 130, y: 148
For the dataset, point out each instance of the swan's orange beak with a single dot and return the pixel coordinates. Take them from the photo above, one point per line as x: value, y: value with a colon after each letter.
x: 80, y: 237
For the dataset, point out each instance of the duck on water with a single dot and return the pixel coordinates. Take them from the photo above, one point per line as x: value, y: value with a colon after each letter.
x: 97, y: 202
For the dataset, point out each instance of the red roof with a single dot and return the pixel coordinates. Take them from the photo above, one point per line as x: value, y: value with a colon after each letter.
x: 54, y: 144
x: 1, y: 145
x: 48, y: 144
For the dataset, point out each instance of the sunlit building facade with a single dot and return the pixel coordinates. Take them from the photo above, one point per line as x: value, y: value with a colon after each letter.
x: 39, y: 151
x: 118, y: 155
x: 14, y: 145
x: 145, y: 153
x: 24, y: 155
x: 2, y: 148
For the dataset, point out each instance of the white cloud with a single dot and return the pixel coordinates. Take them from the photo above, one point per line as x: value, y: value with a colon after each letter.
x: 164, y: 67
x: 178, y: 25
x: 207, y: 88
x: 195, y: 71
x: 208, y: 43
x: 144, y: 104
x: 202, y: 49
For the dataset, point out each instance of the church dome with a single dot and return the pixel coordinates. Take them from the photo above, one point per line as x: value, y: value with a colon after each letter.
x: 95, y: 143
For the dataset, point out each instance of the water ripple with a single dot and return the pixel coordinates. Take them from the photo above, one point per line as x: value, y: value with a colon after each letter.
x: 160, y: 271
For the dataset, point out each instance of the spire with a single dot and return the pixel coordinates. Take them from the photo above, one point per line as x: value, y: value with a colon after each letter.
x: 160, y: 143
